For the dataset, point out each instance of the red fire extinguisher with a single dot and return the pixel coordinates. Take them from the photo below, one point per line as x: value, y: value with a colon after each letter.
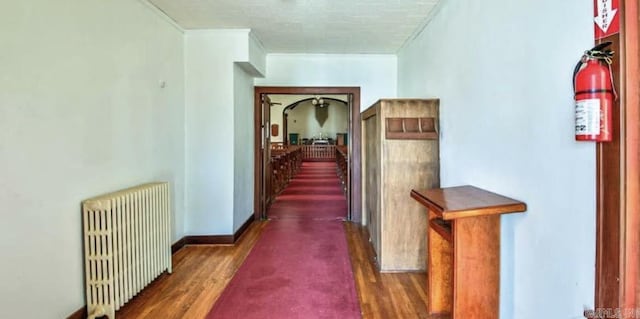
x: 594, y: 95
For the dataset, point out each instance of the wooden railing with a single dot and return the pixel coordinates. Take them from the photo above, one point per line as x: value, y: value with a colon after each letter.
x: 278, y: 146
x: 285, y: 163
x: 319, y: 152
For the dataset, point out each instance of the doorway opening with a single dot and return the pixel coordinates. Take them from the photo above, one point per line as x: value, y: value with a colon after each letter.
x: 300, y: 120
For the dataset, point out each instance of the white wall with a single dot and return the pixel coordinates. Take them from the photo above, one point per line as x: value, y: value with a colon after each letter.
x: 503, y: 73
x: 302, y: 120
x: 256, y: 56
x: 375, y: 74
x: 276, y: 117
x: 81, y: 113
x: 217, y: 93
x: 209, y: 58
x: 243, y: 147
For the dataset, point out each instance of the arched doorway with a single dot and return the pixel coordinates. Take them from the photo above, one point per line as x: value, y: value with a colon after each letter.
x: 262, y: 124
x: 335, y: 108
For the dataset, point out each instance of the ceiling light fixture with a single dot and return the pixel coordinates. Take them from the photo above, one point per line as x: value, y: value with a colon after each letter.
x: 319, y: 101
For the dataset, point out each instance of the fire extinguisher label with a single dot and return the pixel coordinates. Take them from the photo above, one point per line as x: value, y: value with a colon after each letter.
x: 588, y: 117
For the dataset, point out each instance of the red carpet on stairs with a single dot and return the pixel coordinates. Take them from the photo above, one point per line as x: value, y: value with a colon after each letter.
x: 300, y: 266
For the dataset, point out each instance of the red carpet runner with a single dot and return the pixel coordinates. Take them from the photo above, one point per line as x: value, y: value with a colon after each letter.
x: 300, y: 267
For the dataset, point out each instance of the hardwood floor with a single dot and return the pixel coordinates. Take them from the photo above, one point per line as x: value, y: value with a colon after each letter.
x: 201, y: 272
x: 387, y: 295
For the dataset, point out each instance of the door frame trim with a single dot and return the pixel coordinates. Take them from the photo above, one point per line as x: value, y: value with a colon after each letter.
x: 355, y: 159
x: 617, y: 273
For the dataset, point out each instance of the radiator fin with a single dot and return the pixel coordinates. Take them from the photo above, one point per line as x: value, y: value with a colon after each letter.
x: 127, y: 236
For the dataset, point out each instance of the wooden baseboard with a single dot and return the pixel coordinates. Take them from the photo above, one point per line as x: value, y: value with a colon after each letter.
x: 190, y: 240
x: 243, y: 228
x: 210, y: 240
x: 213, y: 239
x: 179, y: 244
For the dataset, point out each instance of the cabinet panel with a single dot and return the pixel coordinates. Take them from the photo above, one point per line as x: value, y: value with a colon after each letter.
x: 371, y: 182
x: 392, y: 167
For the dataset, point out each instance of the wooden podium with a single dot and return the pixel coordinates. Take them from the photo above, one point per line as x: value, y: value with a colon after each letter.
x: 463, y: 258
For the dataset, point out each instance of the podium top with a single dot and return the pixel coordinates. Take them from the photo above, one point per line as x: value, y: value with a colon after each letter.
x: 466, y: 201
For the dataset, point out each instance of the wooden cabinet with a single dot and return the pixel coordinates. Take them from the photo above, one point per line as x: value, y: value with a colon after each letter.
x: 400, y: 152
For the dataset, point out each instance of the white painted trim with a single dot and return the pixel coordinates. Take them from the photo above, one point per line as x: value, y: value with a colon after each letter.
x: 258, y: 42
x: 249, y: 69
x: 335, y: 55
x: 424, y: 24
x: 215, y: 31
x: 162, y: 15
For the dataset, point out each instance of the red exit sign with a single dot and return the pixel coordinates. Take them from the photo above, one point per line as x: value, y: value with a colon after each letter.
x: 606, y: 18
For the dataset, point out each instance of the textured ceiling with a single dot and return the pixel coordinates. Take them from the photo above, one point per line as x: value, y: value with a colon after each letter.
x: 309, y: 26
